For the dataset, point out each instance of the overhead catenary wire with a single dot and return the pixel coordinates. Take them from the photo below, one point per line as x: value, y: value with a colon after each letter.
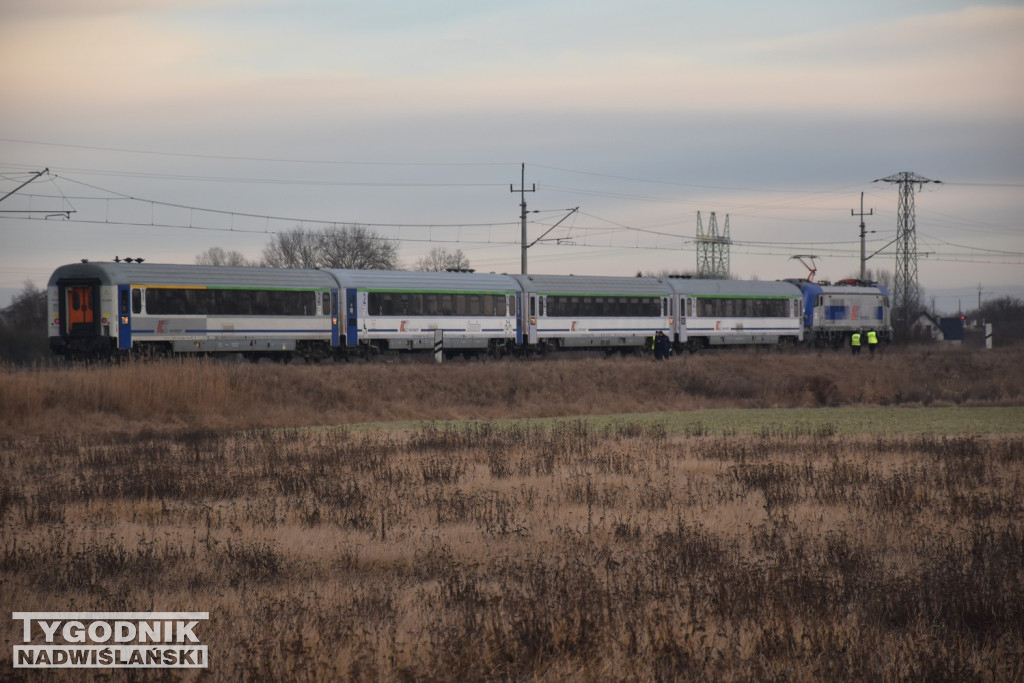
x: 582, y: 233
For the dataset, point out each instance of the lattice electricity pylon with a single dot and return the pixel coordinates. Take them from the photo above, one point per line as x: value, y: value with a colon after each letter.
x: 713, y: 249
x: 906, y: 294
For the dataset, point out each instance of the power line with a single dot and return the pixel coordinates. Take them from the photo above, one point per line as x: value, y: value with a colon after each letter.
x: 264, y: 181
x: 225, y: 157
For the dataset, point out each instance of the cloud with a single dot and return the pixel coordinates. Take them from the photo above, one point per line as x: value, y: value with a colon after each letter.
x: 50, y: 9
x: 124, y: 55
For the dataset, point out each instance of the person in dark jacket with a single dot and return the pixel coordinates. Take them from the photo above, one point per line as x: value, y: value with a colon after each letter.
x: 662, y: 346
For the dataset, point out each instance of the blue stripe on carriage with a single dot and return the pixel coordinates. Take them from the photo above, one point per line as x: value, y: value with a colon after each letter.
x: 247, y: 331
x: 692, y: 329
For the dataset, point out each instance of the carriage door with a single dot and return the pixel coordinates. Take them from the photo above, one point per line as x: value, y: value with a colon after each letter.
x: 124, y: 317
x: 352, y: 325
x: 79, y: 313
x: 531, y: 318
x: 335, y: 326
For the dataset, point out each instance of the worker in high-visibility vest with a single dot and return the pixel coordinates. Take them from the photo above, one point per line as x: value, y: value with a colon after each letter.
x: 855, y: 342
x: 872, y: 341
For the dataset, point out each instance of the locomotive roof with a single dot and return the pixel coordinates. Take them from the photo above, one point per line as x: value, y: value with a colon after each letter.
x: 424, y: 281
x: 112, y: 273
x: 593, y: 284
x: 744, y: 288
x: 815, y: 288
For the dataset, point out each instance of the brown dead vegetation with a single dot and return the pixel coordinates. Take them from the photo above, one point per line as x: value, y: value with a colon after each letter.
x: 188, y: 394
x: 521, y: 551
x: 480, y: 552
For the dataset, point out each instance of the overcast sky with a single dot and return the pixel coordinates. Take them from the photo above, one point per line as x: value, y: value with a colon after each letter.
x: 226, y: 120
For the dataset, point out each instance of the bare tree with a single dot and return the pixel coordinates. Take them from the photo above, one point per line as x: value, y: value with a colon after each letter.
x: 215, y: 256
x: 357, y: 247
x: 442, y: 259
x: 882, y: 277
x: 351, y: 247
x: 298, y: 248
x: 23, y: 327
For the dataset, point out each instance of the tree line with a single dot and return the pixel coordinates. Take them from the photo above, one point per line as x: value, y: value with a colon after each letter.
x: 355, y: 247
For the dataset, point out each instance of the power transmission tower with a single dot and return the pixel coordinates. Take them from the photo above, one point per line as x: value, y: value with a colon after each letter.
x: 906, y: 293
x: 863, y: 259
x: 713, y: 249
x: 522, y: 206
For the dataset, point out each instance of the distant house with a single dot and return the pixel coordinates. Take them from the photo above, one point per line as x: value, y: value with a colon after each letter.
x: 949, y: 330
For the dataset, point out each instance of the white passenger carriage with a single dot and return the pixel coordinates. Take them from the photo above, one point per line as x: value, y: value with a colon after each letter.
x: 409, y: 310
x: 579, y: 311
x: 736, y: 312
x: 102, y: 309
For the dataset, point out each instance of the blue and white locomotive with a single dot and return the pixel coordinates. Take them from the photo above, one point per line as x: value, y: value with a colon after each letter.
x: 106, y: 309
x: 833, y: 312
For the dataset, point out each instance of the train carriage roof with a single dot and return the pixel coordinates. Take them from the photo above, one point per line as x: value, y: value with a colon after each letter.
x: 424, y: 281
x: 112, y: 273
x: 593, y: 284
x: 734, y: 288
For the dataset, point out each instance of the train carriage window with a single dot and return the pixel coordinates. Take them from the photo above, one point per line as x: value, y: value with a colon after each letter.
x: 217, y: 302
x: 258, y: 303
x: 123, y: 303
x: 136, y: 300
x: 447, y: 302
x: 430, y: 304
x: 325, y: 303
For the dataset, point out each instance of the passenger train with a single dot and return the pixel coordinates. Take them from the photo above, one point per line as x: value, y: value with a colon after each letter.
x: 110, y: 309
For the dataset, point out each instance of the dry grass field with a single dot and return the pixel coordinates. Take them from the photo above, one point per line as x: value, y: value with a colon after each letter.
x: 620, y: 549
x: 219, y: 395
